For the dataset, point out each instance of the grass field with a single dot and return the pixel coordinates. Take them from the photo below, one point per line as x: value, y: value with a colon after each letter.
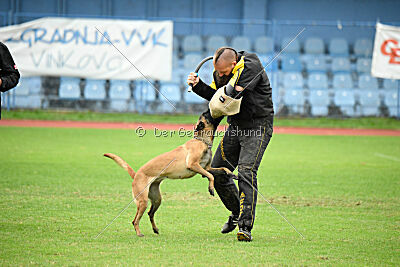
x: 360, y: 123
x: 58, y: 192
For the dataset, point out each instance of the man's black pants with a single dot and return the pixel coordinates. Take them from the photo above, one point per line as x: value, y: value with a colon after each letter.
x: 242, y: 148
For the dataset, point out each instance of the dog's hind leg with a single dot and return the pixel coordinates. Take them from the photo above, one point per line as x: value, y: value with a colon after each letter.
x: 155, y: 197
x: 141, y: 196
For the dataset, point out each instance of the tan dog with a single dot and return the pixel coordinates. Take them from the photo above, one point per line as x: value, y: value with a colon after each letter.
x: 185, y: 161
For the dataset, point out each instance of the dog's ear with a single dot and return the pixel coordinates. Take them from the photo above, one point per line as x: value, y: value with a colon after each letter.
x: 200, y: 126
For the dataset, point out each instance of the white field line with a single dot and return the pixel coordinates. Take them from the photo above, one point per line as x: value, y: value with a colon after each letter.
x: 387, y: 157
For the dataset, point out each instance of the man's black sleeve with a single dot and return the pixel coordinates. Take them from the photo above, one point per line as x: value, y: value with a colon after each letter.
x: 249, y: 78
x: 9, y: 74
x: 204, y: 90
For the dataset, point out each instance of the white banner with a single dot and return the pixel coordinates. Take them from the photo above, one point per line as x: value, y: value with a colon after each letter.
x: 386, y: 56
x: 80, y: 48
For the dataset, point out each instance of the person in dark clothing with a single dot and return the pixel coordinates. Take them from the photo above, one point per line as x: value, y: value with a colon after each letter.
x: 9, y: 75
x: 247, y: 136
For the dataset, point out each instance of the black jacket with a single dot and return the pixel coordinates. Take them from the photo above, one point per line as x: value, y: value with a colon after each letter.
x: 9, y: 74
x: 256, y: 106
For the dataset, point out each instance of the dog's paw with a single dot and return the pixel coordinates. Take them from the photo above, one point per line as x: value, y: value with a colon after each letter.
x: 232, y: 176
x: 211, y: 190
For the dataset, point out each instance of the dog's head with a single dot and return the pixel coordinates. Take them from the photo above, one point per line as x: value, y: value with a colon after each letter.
x: 206, y: 125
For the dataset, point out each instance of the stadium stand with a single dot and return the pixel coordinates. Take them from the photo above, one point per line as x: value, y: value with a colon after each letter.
x: 342, y: 81
x: 338, y: 47
x: 69, y: 88
x: 94, y: 90
x: 293, y: 80
x: 341, y: 65
x: 319, y: 100
x: 241, y: 43
x: 192, y: 44
x: 214, y: 42
x: 315, y: 64
x: 363, y: 47
x: 314, y: 45
x: 391, y: 101
x: 294, y: 99
x: 363, y: 65
x: 264, y: 45
x: 291, y: 63
x: 293, y: 48
x: 370, y: 102
x: 366, y: 81
x: 120, y: 94
x: 390, y: 84
x: 27, y: 93
x: 345, y: 100
x: 341, y: 56
x: 318, y: 81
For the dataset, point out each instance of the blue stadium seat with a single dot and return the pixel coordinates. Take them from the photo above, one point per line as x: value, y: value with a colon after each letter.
x: 214, y: 42
x: 293, y: 80
x: 294, y: 99
x: 345, y: 100
x: 171, y: 91
x: 367, y: 82
x: 391, y: 101
x: 369, y: 101
x: 192, y: 44
x: 363, y: 65
x: 28, y: 101
x: 94, y: 90
x: 318, y: 81
x: 319, y: 100
x: 390, y: 84
x: 315, y: 64
x: 363, y: 47
x: 293, y: 48
x: 264, y: 45
x: 144, y: 92
x: 27, y: 93
x: 120, y: 90
x: 266, y: 59
x: 191, y: 61
x: 192, y: 98
x: 314, y: 45
x: 338, y: 47
x: 28, y: 86
x: 342, y: 81
x: 341, y: 65
x: 241, y: 43
x: 69, y: 88
x: 291, y: 63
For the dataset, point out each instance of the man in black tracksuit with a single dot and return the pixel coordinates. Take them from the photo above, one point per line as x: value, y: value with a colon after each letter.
x: 9, y: 75
x: 247, y: 136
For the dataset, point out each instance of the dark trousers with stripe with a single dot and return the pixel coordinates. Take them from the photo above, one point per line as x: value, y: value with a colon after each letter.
x: 244, y: 149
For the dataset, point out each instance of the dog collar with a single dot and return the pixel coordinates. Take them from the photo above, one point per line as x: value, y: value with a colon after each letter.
x: 204, y: 141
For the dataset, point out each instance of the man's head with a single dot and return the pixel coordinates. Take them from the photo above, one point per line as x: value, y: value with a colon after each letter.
x: 225, y: 59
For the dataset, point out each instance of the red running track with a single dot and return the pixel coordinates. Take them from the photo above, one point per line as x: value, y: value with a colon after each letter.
x: 121, y: 125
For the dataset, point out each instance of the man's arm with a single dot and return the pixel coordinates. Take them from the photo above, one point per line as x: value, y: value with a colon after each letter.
x: 9, y: 75
x: 204, y: 90
x: 199, y: 87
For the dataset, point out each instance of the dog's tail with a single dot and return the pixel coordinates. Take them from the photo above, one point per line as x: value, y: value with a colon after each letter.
x: 121, y: 163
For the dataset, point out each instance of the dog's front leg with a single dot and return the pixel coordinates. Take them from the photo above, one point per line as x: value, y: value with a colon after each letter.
x: 195, y: 166
x: 221, y: 170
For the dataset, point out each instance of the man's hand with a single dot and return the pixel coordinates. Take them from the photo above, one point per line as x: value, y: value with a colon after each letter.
x: 1, y: 82
x: 193, y: 78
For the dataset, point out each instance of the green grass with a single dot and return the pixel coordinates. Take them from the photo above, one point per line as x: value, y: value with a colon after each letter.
x: 57, y: 192
x: 362, y: 123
